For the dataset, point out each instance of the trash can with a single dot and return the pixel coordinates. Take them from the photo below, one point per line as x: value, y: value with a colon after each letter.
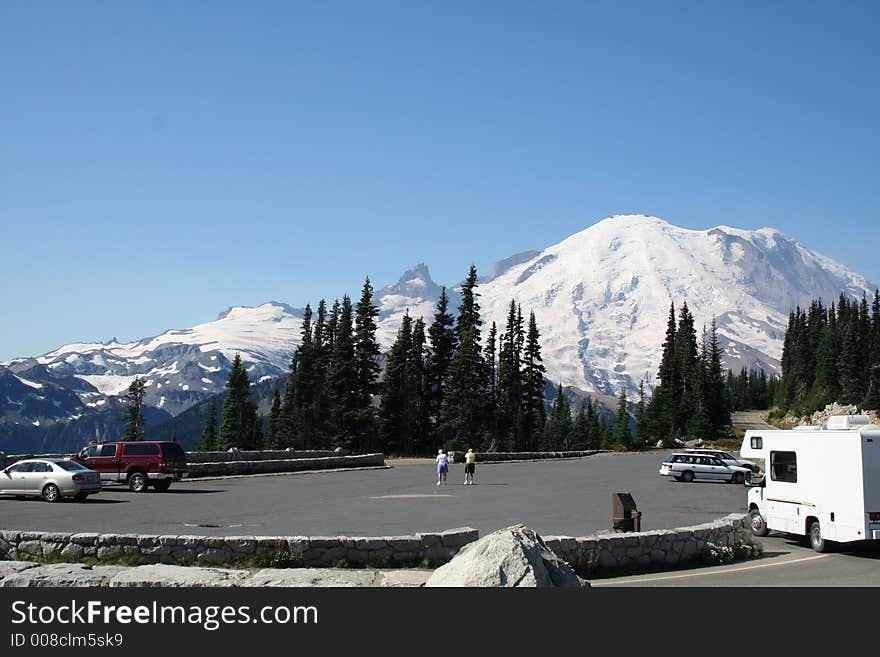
x: 626, y: 517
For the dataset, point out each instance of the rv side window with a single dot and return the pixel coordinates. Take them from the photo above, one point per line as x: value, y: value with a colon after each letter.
x: 783, y: 466
x: 757, y: 442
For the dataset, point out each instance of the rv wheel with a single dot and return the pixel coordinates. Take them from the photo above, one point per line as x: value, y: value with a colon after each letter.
x: 818, y: 543
x: 756, y: 520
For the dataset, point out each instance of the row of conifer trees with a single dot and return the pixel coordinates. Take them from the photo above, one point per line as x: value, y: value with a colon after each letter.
x: 442, y: 386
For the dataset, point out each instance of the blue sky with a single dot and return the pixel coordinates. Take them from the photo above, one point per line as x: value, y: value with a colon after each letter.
x: 160, y: 161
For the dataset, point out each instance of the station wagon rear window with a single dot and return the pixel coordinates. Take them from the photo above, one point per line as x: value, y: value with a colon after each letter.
x: 783, y: 466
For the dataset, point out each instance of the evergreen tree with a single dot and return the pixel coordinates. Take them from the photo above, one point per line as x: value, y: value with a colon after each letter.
x: 417, y: 380
x: 462, y: 414
x: 342, y: 382
x: 660, y: 414
x: 717, y: 406
x: 208, y: 440
x: 256, y: 442
x: 510, y: 383
x: 872, y: 398
x: 622, y: 433
x: 441, y: 341
x: 851, y: 386
x: 594, y: 428
x: 239, y: 412
x: 492, y: 410
x: 641, y: 420
x: 533, y: 385
x: 581, y: 434
x: 561, y: 428
x: 134, y: 411
x: 366, y: 354
x: 273, y: 435
x: 395, y: 408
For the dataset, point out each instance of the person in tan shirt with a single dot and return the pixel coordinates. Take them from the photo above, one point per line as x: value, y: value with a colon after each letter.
x: 470, y: 460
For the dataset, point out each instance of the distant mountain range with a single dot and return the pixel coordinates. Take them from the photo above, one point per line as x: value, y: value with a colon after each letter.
x: 601, y: 298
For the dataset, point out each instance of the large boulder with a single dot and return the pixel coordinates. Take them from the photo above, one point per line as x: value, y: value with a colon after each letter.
x: 515, y: 556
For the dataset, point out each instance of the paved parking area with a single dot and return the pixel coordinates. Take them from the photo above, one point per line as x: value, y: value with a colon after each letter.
x: 553, y: 497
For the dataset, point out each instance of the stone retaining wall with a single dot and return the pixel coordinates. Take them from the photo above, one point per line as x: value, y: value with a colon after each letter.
x: 224, y: 550
x: 489, y: 457
x: 656, y: 548
x: 589, y: 555
x: 257, y: 455
x: 227, y: 468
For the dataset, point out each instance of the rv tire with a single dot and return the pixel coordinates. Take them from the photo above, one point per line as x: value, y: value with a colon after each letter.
x: 757, y: 523
x: 818, y: 543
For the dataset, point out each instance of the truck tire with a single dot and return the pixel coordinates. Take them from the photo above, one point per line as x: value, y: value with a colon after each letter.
x: 818, y: 543
x: 137, y: 482
x: 162, y: 485
x: 757, y: 523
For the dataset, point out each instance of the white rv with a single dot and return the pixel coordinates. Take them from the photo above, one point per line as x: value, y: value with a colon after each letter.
x: 821, y: 483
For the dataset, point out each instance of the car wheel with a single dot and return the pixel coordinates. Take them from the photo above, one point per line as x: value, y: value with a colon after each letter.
x: 757, y: 523
x: 738, y: 478
x: 818, y: 543
x: 137, y: 482
x: 687, y: 476
x: 51, y: 493
x: 81, y: 497
x: 162, y: 485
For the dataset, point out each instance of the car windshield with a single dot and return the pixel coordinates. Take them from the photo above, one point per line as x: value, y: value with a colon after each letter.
x: 70, y: 466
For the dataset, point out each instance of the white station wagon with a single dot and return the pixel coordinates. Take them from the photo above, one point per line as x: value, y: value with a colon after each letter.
x: 689, y: 466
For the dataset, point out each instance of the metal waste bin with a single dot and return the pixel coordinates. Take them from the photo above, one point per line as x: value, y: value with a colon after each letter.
x: 626, y: 517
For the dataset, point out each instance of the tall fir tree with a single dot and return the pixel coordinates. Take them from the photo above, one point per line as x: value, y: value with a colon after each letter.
x: 134, y: 411
x: 417, y: 378
x: 492, y: 410
x: 441, y: 347
x: 622, y: 433
x: 208, y: 440
x: 395, y: 407
x: 366, y: 356
x: 533, y: 386
x: 560, y: 429
x: 239, y: 412
x: 510, y: 381
x: 273, y: 434
x: 342, y: 382
x: 463, y: 410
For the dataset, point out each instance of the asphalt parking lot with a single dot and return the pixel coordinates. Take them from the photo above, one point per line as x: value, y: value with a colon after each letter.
x: 571, y: 497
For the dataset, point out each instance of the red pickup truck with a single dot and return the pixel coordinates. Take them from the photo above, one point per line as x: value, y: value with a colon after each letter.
x: 137, y: 463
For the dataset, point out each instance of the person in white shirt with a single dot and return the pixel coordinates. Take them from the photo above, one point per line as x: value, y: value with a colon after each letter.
x: 442, y: 466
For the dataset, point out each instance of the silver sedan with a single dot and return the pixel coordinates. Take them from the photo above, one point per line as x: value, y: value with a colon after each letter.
x: 50, y: 479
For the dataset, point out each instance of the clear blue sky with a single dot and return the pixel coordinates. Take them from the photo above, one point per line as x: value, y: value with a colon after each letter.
x: 160, y: 161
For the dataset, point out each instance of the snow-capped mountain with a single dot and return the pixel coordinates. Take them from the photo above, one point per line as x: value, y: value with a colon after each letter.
x: 601, y: 298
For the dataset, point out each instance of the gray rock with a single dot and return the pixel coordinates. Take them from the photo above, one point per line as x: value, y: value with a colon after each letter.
x: 406, y: 577
x: 62, y: 574
x: 8, y: 568
x: 511, y: 557
x: 311, y: 577
x: 154, y: 575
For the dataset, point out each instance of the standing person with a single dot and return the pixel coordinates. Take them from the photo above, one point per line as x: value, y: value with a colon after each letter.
x: 470, y: 460
x: 442, y: 466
